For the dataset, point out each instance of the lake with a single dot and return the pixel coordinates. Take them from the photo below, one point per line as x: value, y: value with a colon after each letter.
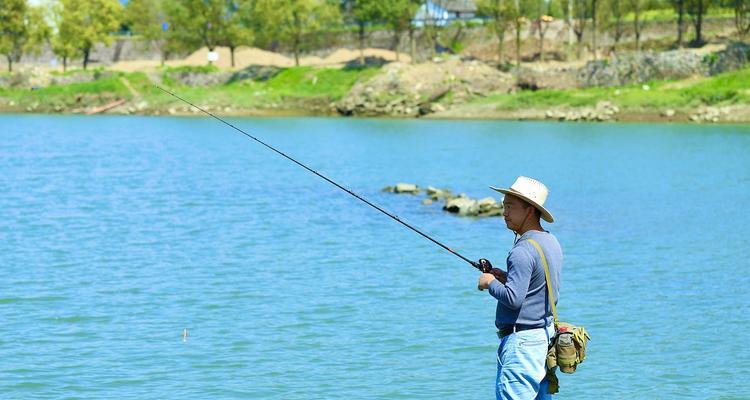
x: 117, y: 234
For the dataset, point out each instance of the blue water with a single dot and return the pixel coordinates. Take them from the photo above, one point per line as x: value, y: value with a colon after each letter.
x: 118, y: 233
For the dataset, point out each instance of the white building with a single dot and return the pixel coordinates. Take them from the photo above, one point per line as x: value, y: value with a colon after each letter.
x: 441, y: 12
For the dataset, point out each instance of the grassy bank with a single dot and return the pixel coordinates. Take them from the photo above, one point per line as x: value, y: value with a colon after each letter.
x: 298, y: 89
x: 724, y: 89
x: 636, y: 102
x: 310, y: 91
x: 301, y: 89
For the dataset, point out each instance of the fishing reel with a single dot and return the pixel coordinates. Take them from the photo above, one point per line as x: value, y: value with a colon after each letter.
x: 485, y: 266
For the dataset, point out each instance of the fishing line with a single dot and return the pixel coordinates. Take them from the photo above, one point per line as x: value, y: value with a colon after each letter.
x: 396, y: 218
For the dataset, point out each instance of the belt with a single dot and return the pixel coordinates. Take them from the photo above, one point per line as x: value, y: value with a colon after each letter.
x: 506, y: 330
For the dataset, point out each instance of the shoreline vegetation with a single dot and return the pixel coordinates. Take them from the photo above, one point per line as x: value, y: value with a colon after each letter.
x: 451, y: 89
x: 556, y: 60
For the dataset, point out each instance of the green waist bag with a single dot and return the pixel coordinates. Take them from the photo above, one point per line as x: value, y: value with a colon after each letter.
x: 568, y: 347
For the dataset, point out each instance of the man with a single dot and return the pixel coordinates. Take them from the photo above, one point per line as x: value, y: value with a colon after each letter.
x: 524, y: 314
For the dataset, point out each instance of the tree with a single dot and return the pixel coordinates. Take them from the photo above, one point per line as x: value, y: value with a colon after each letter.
x: 519, y: 12
x: 14, y: 31
x: 679, y: 8
x: 550, y: 9
x: 613, y: 17
x: 364, y: 13
x: 411, y: 28
x: 432, y: 21
x: 566, y: 9
x: 149, y: 20
x: 199, y: 21
x: 696, y: 9
x: 236, y: 29
x: 498, y: 11
x: 62, y: 42
x: 742, y: 17
x: 436, y: 22
x: 398, y: 14
x: 594, y: 8
x: 291, y: 20
x: 84, y: 23
x: 22, y: 30
x: 457, y: 36
x: 638, y: 7
x: 534, y: 10
x: 580, y: 10
x: 212, y: 23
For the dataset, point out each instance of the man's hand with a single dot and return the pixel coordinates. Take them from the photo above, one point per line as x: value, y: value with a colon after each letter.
x: 500, y: 275
x: 484, y: 281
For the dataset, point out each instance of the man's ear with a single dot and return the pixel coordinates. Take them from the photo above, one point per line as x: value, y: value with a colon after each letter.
x: 534, y: 212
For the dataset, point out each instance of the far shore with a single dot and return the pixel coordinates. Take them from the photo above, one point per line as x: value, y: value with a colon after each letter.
x: 452, y: 89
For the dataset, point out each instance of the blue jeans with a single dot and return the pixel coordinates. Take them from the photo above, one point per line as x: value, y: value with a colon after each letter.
x: 521, y: 365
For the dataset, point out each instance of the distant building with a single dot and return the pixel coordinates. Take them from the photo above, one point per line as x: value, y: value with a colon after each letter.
x: 441, y: 12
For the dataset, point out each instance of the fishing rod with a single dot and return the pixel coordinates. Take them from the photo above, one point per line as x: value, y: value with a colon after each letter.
x: 482, y: 265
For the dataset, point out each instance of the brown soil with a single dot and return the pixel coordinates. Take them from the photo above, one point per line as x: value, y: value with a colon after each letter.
x: 246, y: 56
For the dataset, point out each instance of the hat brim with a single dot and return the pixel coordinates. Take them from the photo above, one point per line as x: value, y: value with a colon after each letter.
x: 545, y: 214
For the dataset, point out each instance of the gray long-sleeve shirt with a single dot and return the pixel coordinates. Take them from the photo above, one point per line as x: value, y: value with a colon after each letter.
x: 523, y: 299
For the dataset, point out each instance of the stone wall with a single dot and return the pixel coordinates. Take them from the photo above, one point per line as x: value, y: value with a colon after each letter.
x: 632, y: 67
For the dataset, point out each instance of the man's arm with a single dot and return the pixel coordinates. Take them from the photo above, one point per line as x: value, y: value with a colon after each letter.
x: 495, y: 274
x: 513, y: 292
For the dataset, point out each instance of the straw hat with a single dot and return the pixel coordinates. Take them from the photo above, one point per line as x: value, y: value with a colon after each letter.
x: 532, y: 191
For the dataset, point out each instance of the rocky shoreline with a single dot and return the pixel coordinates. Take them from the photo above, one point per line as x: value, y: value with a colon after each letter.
x: 734, y: 114
x: 737, y: 114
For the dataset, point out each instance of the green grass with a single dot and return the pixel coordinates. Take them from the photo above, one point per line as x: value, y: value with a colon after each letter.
x: 73, y: 95
x: 291, y: 87
x: 728, y: 88
x: 305, y: 88
x: 312, y: 82
x: 670, y: 15
x: 296, y: 84
x: 168, y: 73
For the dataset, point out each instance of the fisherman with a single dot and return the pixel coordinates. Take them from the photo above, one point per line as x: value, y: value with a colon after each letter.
x: 524, y: 315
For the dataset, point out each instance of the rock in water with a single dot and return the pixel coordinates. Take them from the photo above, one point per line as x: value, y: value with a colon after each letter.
x: 437, y: 194
x: 463, y: 206
x: 408, y: 188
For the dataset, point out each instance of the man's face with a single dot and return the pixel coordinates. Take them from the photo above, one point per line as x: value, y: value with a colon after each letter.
x: 515, y: 212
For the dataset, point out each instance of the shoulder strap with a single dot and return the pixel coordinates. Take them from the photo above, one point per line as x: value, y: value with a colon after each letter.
x: 547, y: 278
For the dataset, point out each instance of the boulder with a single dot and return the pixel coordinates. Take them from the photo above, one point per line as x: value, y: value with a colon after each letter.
x: 486, y: 203
x: 408, y: 188
x: 669, y: 113
x: 489, y: 207
x: 463, y: 206
x: 370, y: 61
x: 413, y: 89
x: 438, y: 194
x: 632, y: 67
x: 199, y: 78
x: 254, y: 72
x: 710, y: 114
x: 734, y: 57
x: 538, y: 77
x: 604, y: 111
